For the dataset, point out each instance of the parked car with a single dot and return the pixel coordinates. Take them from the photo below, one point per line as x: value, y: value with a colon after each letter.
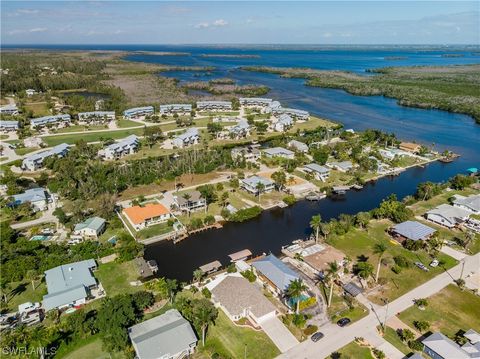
x: 317, y: 336
x: 421, y: 266
x: 343, y: 322
x: 434, y: 263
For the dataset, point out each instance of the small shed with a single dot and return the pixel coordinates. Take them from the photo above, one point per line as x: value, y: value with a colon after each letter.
x: 352, y: 289
x: 211, y: 267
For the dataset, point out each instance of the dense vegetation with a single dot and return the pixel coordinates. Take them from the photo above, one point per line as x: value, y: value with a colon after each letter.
x: 449, y: 88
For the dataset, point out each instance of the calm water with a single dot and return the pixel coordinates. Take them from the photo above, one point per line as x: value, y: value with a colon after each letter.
x: 275, y: 228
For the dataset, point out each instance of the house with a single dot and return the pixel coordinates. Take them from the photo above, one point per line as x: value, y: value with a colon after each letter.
x: 167, y: 336
x: 411, y: 230
x: 274, y: 273
x: 284, y: 123
x: 438, y: 346
x: 92, y: 227
x: 69, y: 284
x: 148, y: 215
x: 391, y: 153
x: 298, y: 114
x: 127, y: 146
x: 96, y: 117
x: 35, y: 161
x: 238, y: 298
x: 343, y: 166
x: 470, y: 203
x: 241, y: 130
x: 138, y: 112
x: 10, y: 109
x: 56, y: 121
x: 251, y: 184
x: 255, y: 101
x: 298, y: 146
x: 214, y: 106
x: 189, y: 138
x: 249, y: 153
x: 99, y: 105
x: 448, y: 216
x: 320, y: 173
x: 36, y: 197
x: 190, y: 201
x: 7, y: 126
x: 279, y: 152
x: 175, y: 108
x: 410, y: 147
x: 30, y: 92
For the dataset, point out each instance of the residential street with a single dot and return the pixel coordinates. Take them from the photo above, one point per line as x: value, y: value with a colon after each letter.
x: 336, y: 337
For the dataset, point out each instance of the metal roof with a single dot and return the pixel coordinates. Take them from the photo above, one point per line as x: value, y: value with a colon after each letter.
x: 472, y: 202
x: 276, y: 271
x: 191, y: 132
x: 317, y: 168
x: 162, y: 336
x: 30, y: 195
x: 413, y: 230
x: 58, y: 299
x: 95, y: 223
x: 60, y: 149
x: 129, y: 141
x: 352, y: 289
x: 450, y: 213
x: 444, y: 346
x: 275, y: 151
x: 135, y: 110
x: 254, y: 180
x: 244, y: 253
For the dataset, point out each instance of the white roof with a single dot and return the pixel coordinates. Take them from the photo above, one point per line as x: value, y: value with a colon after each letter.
x: 317, y: 168
x: 444, y: 346
x: 472, y: 202
x: 276, y: 151
x: 450, y: 212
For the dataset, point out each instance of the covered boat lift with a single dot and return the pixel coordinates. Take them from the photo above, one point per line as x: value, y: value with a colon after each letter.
x: 211, y: 267
x: 240, y: 255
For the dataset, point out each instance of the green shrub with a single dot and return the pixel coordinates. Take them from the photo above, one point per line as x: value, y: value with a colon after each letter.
x: 231, y: 268
x: 415, y: 345
x: 307, y: 303
x: 289, y: 200
x: 206, y: 293
x: 310, y: 330
x: 245, y: 214
x: 401, y: 261
x: 248, y: 274
x: 396, y: 269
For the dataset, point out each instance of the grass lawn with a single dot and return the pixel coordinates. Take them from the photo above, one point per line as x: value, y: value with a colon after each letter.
x: 154, y: 230
x: 339, y: 308
x: 421, y: 207
x: 156, y: 150
x: 448, y: 311
x: 361, y: 242
x: 312, y: 124
x: 116, y: 277
x: 88, y: 348
x: 38, y: 108
x: 22, y: 292
x: 355, y: 351
x: 91, y: 136
x: 24, y: 150
x: 229, y: 341
x: 127, y: 123
x: 392, y: 337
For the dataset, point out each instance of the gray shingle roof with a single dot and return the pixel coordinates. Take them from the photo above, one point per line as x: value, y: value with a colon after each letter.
x: 276, y: 271
x: 413, y: 230
x: 167, y: 334
x: 449, y: 212
x: 277, y: 151
x: 253, y: 180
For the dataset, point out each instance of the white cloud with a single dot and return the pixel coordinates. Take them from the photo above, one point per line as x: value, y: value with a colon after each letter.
x: 20, y: 31
x: 220, y: 22
x: 216, y: 23
x: 38, y: 29
x: 202, y: 25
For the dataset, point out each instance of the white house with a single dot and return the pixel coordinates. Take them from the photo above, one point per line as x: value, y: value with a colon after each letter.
x: 7, y: 126
x: 96, y: 117
x: 251, y: 184
x: 279, y: 152
x: 57, y: 121
x: 138, y: 112
x: 241, y: 130
x: 119, y: 149
x: 448, y: 216
x: 36, y: 197
x: 298, y: 114
x: 343, y: 166
x: 35, y: 161
x: 284, y: 123
x: 214, y: 106
x: 188, y: 138
x: 249, y: 153
x: 178, y: 108
x: 298, y: 146
x: 92, y: 227
x: 190, y: 201
x: 320, y: 173
x: 470, y: 203
x: 30, y: 92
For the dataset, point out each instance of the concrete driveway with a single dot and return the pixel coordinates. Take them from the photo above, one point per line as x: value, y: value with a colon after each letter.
x: 280, y: 335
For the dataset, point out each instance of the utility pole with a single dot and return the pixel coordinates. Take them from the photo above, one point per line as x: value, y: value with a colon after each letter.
x: 245, y: 352
x: 463, y: 267
x: 386, y: 316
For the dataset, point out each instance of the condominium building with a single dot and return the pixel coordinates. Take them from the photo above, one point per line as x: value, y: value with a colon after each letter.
x: 138, y: 112
x: 96, y: 116
x: 214, y: 106
x: 175, y: 108
x: 35, y: 161
x: 54, y: 120
x: 119, y: 149
x: 188, y: 138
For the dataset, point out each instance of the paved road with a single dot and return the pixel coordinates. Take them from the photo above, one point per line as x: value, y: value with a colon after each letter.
x: 47, y: 217
x: 336, y: 337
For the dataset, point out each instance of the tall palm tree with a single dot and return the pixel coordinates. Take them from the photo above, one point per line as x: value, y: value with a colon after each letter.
x: 379, y: 249
x: 198, y: 275
x: 295, y: 290
x: 260, y: 187
x: 172, y: 287
x: 204, y: 313
x: 315, y: 224
x: 332, y: 273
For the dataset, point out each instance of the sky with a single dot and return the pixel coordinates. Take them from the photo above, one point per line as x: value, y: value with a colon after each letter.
x: 240, y: 22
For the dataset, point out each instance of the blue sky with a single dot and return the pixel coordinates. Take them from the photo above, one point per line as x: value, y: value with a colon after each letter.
x: 280, y: 22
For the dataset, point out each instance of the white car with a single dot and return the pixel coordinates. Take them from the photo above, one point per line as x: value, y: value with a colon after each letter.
x: 434, y: 263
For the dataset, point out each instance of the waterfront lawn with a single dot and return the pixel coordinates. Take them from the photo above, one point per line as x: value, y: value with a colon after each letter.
x: 392, y: 337
x: 355, y: 351
x: 420, y: 207
x: 448, y: 311
x: 230, y: 341
x: 91, y: 136
x: 21, y: 292
x: 359, y: 242
x: 311, y: 124
x: 155, y: 230
x: 116, y: 277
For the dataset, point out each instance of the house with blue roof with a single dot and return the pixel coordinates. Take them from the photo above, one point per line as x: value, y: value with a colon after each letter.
x: 53, y: 120
x: 188, y: 138
x: 34, y: 161
x: 138, y: 112
x: 411, y: 230
x: 69, y: 285
x: 252, y: 184
x: 92, y: 227
x: 275, y: 274
x: 36, y: 197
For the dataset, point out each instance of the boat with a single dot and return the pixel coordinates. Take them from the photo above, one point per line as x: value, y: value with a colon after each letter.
x: 314, y: 196
x: 357, y: 186
x: 282, y: 205
x: 340, y: 190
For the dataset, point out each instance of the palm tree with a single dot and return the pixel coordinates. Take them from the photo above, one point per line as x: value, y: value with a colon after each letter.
x: 295, y: 290
x: 172, y: 287
x: 204, y: 313
x: 379, y: 249
x: 198, y: 275
x: 325, y: 228
x: 332, y: 273
x: 363, y: 270
x: 315, y: 224
x: 260, y: 187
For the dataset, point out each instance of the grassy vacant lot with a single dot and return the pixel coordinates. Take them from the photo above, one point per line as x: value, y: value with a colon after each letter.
x: 359, y: 242
x: 116, y: 277
x: 22, y: 292
x: 91, y: 136
x: 38, y: 108
x: 339, y: 308
x: 355, y: 351
x: 229, y: 341
x: 81, y: 128
x: 392, y: 337
x: 448, y: 311
x: 89, y: 348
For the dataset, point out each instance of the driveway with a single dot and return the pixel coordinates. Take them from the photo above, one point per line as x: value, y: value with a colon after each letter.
x: 280, y: 335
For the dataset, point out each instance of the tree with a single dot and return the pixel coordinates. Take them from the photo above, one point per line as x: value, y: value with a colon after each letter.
x: 332, y: 275
x: 325, y: 228
x: 362, y: 219
x: 4, y: 286
x: 406, y: 335
x: 295, y: 290
x: 224, y: 199
x: 204, y: 313
x: 379, y: 249
x: 280, y: 179
x: 363, y: 270
x: 260, y: 187
x: 315, y: 224
x: 172, y: 287
x: 421, y: 325
x: 31, y: 275
x: 198, y: 275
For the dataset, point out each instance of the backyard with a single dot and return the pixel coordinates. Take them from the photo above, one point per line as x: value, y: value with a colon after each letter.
x: 116, y: 277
